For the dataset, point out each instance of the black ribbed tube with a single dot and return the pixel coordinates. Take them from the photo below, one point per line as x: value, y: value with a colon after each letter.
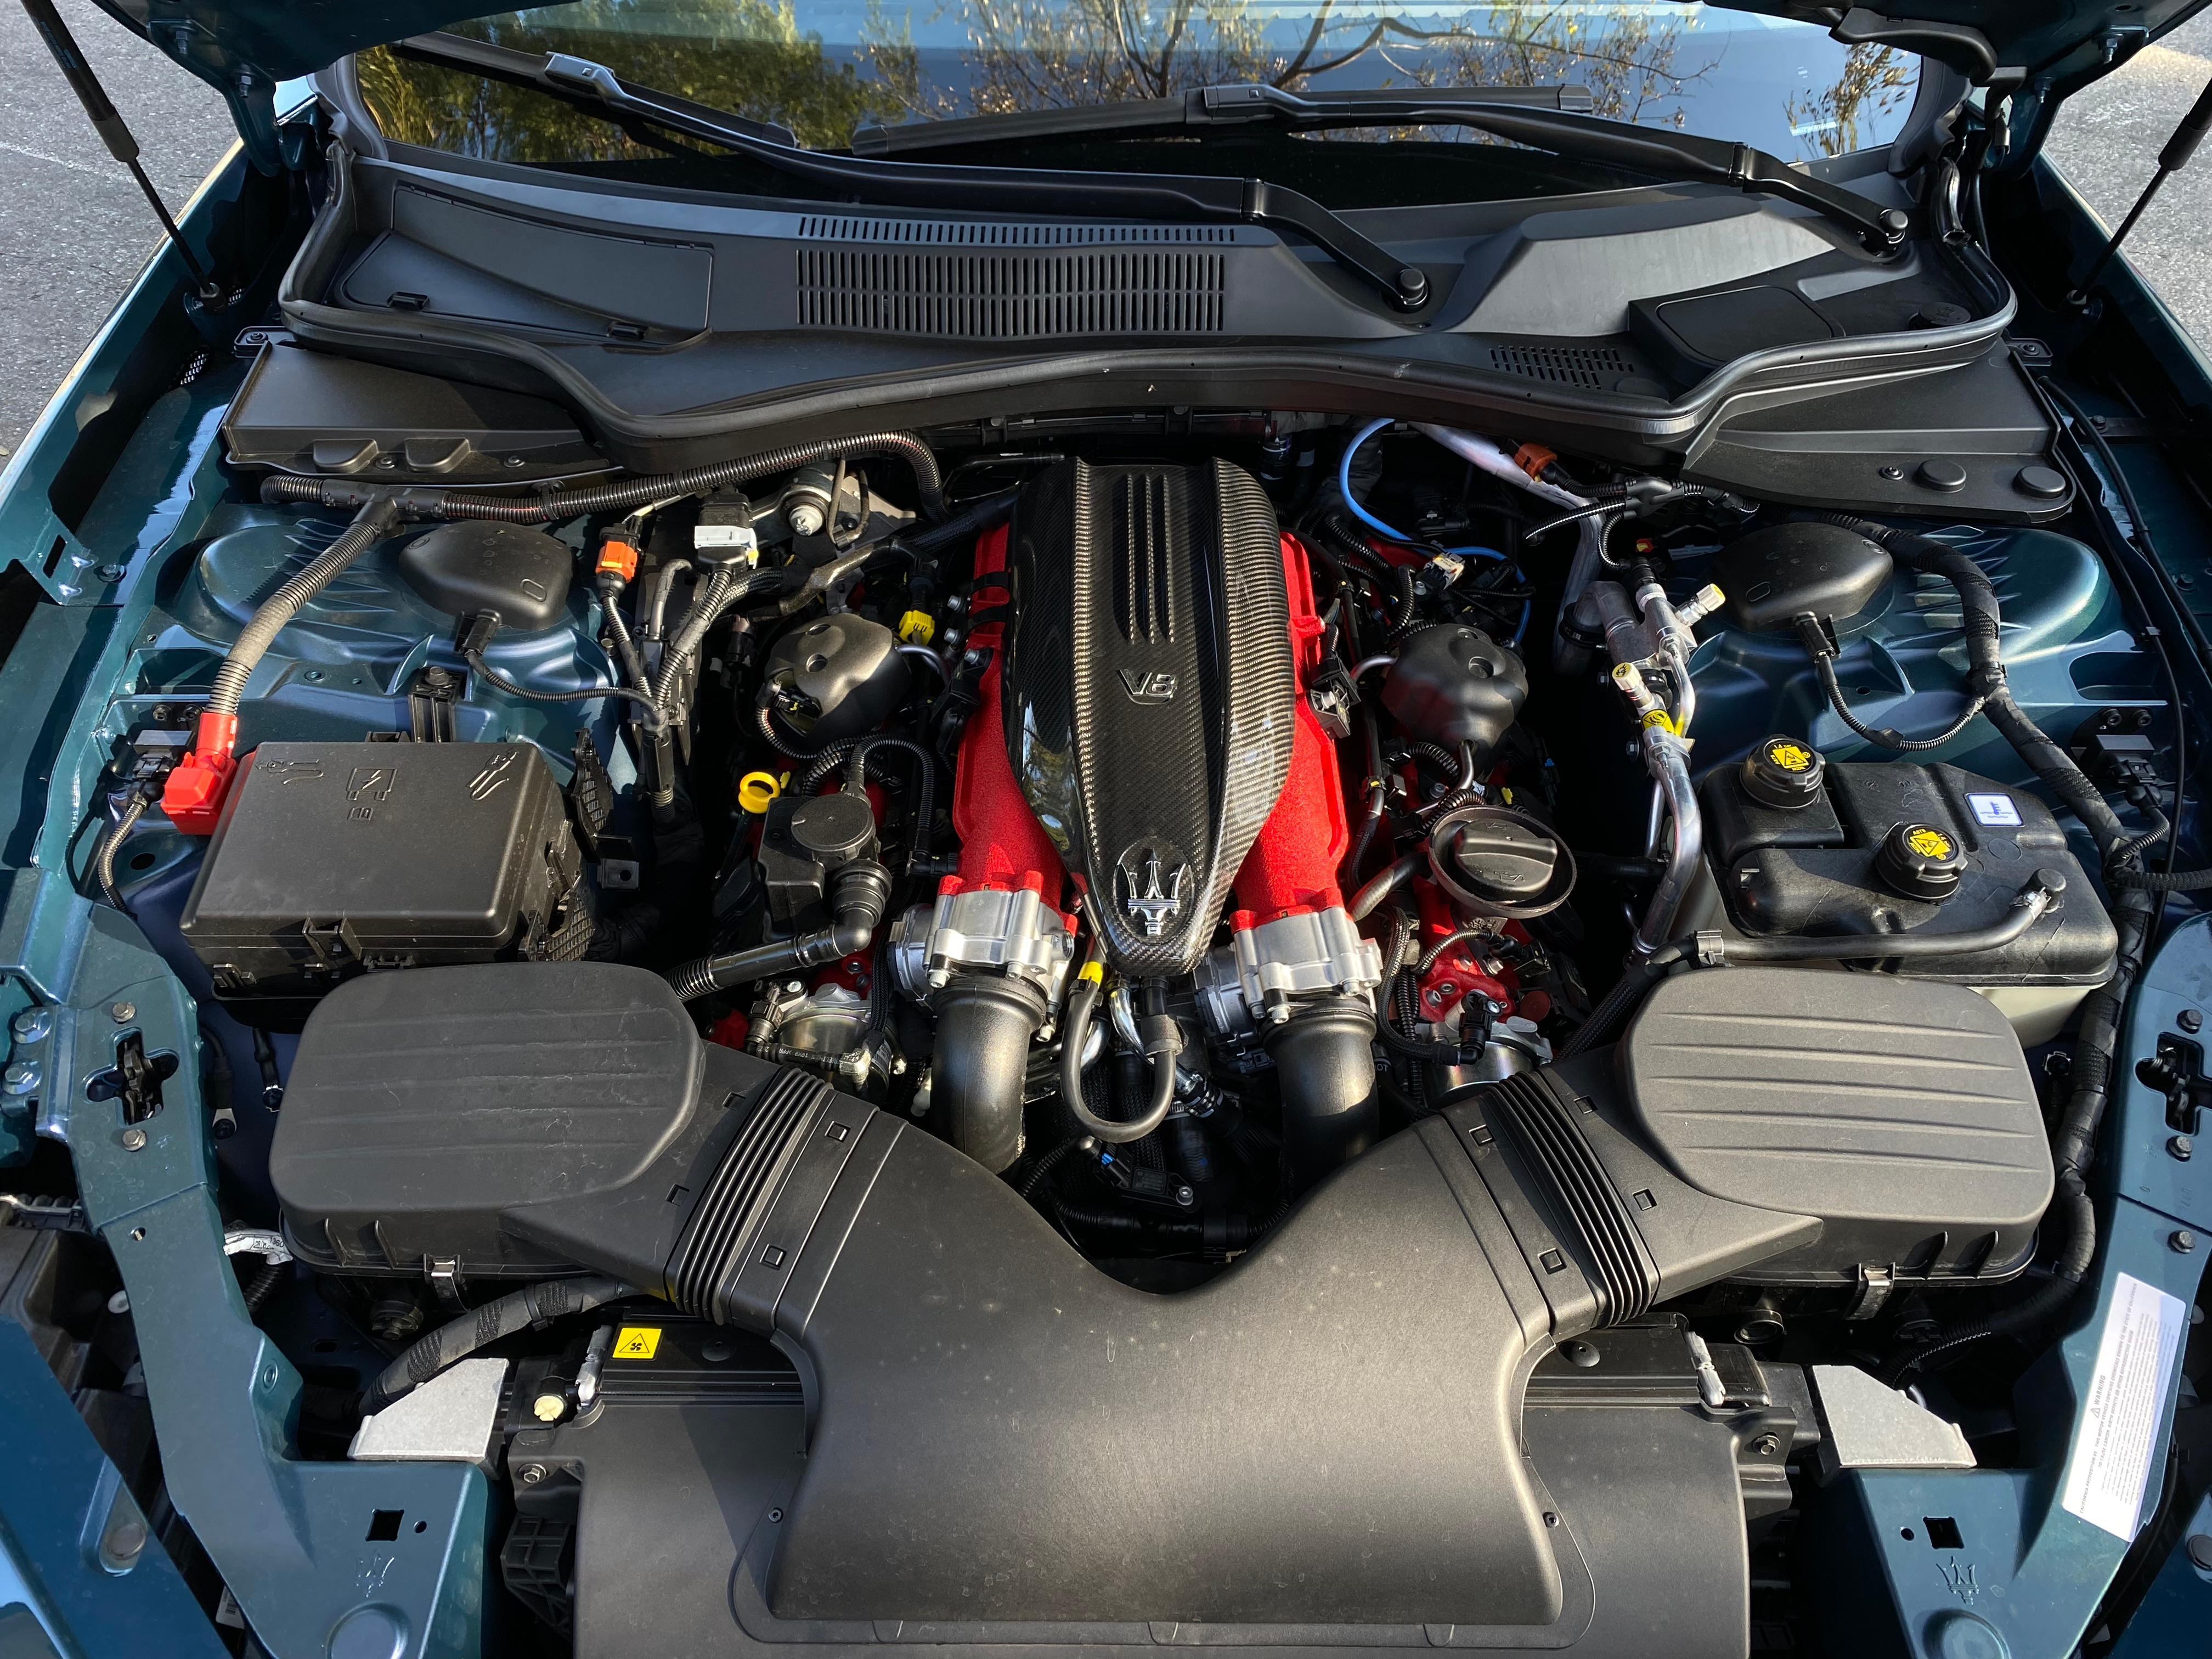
x: 553, y: 1299
x: 568, y: 504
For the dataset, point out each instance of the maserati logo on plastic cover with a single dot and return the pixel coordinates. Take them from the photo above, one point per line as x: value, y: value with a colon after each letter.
x: 1147, y: 685
x: 1152, y: 892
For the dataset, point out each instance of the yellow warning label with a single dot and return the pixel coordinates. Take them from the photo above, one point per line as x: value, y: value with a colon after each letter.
x: 1929, y: 843
x: 636, y: 1342
x: 1790, y: 757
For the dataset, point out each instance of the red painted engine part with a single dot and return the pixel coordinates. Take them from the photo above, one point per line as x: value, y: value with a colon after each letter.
x: 1292, y: 866
x: 1459, y: 970
x: 1001, y: 842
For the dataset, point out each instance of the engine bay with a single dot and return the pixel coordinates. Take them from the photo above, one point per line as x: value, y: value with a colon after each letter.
x: 1015, y: 982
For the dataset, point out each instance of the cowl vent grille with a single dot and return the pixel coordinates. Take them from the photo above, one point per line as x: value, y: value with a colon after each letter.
x: 1011, y: 295
x: 1592, y: 366
x: 977, y: 233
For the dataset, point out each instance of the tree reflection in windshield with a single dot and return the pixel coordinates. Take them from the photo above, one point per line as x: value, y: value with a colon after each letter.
x: 823, y: 67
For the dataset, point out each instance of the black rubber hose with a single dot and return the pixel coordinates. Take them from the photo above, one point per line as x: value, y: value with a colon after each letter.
x: 1082, y: 1002
x: 552, y: 1298
x: 860, y: 892
x: 655, y: 718
x: 602, y: 498
x: 1369, y: 898
x: 1324, y: 1059
x: 985, y: 1024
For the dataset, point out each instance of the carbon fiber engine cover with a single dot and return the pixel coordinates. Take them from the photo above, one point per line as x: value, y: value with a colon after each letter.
x: 1150, y: 692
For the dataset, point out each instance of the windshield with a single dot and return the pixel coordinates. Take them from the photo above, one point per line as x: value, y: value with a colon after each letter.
x: 824, y: 67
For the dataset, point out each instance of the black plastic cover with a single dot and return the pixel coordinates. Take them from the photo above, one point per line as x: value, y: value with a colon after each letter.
x: 1453, y: 684
x: 1773, y: 575
x: 517, y: 573
x: 1818, y: 870
x: 330, y: 858
x: 1150, y: 692
x: 836, y: 677
x: 484, y: 1115
x: 1898, y: 1112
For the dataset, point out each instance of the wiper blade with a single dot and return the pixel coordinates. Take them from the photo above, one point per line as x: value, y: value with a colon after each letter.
x: 1210, y: 107
x: 1546, y: 117
x: 1129, y: 196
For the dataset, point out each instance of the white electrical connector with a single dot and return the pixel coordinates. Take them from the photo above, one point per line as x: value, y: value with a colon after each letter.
x: 730, y: 540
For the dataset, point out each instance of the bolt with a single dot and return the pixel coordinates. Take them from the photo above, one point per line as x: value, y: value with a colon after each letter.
x: 1893, y: 473
x: 774, y: 1515
x: 532, y: 1473
x: 33, y: 1024
x: 2190, y: 1020
x: 21, y: 1077
x: 1551, y: 1517
x: 123, y: 1012
x: 126, y: 1540
x: 134, y: 1141
x: 2181, y: 1146
x: 119, y: 1302
x: 387, y: 463
x: 1765, y: 1446
x: 2183, y: 1242
x: 112, y: 573
x: 516, y: 460
x: 1184, y: 1195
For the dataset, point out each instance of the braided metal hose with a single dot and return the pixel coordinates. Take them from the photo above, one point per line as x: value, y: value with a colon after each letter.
x: 568, y: 504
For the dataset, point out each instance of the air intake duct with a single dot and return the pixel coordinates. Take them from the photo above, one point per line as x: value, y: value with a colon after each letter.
x: 987, y: 1440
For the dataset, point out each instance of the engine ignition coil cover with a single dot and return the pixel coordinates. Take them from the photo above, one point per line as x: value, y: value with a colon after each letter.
x: 333, y: 857
x: 1150, y: 690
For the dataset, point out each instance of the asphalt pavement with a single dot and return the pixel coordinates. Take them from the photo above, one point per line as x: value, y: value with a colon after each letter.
x: 74, y: 231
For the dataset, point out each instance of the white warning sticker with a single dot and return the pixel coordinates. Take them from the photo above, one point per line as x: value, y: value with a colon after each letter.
x: 1997, y: 811
x: 2126, y: 1406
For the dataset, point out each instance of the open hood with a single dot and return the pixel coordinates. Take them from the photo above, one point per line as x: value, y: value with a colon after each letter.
x: 244, y: 47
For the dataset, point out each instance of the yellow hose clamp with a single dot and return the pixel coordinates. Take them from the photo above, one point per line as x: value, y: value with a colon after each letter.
x: 755, y: 790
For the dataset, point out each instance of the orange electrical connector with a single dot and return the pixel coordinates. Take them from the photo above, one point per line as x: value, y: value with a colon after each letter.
x: 1533, y: 459
x: 618, y: 555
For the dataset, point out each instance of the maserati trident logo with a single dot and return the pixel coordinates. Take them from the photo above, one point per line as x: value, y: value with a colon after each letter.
x: 1148, y: 685
x: 1154, y: 898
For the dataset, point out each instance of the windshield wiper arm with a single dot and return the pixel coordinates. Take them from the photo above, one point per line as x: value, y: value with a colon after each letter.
x: 1240, y: 106
x: 1546, y: 117
x: 1200, y: 198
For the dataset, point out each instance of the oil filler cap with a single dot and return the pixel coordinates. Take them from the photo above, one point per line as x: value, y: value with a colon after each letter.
x: 1920, y: 861
x: 1783, y: 772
